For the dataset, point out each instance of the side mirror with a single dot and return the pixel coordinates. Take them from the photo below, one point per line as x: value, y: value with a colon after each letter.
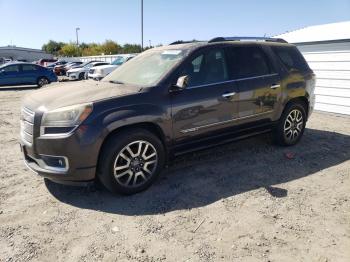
x: 181, y: 83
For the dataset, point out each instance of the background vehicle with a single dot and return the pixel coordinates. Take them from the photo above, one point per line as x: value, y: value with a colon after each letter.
x: 2, y: 61
x: 45, y: 61
x: 80, y: 73
x: 61, y: 70
x: 57, y: 63
x: 25, y: 74
x: 99, y: 72
x: 165, y: 102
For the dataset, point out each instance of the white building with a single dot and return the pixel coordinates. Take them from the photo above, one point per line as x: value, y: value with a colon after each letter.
x: 21, y: 53
x: 327, y: 50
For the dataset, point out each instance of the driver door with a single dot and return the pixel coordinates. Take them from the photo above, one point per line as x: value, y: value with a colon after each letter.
x: 208, y: 104
x: 10, y: 75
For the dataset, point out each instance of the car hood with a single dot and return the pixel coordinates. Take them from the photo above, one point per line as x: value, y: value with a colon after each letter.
x: 77, y: 69
x: 66, y: 94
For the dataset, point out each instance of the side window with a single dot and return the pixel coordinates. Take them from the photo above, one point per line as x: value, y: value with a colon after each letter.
x: 29, y: 68
x: 245, y: 62
x: 207, y: 68
x: 291, y: 58
x: 12, y: 68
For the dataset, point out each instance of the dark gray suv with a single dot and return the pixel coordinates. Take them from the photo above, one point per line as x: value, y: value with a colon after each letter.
x: 165, y: 102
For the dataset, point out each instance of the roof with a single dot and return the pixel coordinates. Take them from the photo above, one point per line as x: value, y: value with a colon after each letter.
x: 319, y: 33
x: 193, y: 45
x: 11, y: 47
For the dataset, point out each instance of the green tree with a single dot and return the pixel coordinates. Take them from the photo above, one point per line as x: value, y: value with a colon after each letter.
x: 69, y: 50
x: 92, y: 49
x: 131, y: 48
x: 110, y: 47
x: 53, y: 47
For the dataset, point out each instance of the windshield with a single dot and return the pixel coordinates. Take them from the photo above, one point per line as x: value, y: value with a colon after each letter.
x: 88, y: 65
x: 118, y: 61
x: 147, y: 68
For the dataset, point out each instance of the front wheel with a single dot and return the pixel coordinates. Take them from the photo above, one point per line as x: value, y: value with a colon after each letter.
x: 131, y: 161
x: 81, y: 76
x: 291, y: 125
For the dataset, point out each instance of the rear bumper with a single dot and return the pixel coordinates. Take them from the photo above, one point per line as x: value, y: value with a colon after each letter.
x: 311, y: 105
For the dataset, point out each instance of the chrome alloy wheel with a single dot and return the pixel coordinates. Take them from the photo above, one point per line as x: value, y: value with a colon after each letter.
x: 293, y: 125
x: 135, y: 164
x: 43, y: 81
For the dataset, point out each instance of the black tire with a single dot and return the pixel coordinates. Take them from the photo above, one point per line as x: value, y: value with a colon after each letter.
x: 111, y: 152
x: 42, y: 81
x: 280, y: 134
x: 81, y: 76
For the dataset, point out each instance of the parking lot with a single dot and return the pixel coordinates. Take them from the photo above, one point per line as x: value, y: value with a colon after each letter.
x: 246, y: 201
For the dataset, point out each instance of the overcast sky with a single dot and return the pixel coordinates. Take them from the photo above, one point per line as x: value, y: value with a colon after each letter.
x: 31, y: 23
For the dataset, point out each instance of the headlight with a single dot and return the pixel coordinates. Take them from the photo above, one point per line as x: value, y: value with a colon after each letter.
x: 66, y: 118
x: 99, y: 71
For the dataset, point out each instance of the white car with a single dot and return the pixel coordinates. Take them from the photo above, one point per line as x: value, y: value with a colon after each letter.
x: 80, y: 73
x: 100, y: 71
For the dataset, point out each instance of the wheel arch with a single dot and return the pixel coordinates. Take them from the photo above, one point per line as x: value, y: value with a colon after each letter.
x: 300, y: 100
x: 149, y: 126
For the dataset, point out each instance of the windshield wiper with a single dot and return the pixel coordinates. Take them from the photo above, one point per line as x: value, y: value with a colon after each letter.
x: 116, y: 82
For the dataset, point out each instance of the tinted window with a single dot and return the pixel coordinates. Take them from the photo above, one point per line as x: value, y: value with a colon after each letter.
x: 118, y: 61
x: 29, y: 68
x: 98, y: 64
x: 291, y: 58
x: 247, y: 61
x: 207, y: 68
x: 12, y: 68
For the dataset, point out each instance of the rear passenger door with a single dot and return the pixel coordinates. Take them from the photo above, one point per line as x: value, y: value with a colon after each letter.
x: 258, y: 83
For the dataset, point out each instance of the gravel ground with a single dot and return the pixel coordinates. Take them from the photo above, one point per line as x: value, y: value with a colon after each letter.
x: 245, y: 201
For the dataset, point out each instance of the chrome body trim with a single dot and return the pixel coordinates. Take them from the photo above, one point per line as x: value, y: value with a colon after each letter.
x: 231, y: 81
x: 193, y: 129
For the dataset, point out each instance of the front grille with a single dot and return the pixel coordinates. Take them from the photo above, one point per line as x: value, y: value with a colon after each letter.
x: 91, y: 71
x: 27, y: 125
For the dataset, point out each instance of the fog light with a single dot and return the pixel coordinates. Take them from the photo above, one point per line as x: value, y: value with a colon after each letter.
x: 55, y: 161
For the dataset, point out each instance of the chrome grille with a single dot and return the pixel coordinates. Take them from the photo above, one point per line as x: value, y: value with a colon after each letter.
x: 27, y: 125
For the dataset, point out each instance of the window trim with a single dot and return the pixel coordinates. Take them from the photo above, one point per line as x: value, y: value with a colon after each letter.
x: 203, y: 52
x: 18, y: 66
x: 232, y: 80
x: 271, y: 68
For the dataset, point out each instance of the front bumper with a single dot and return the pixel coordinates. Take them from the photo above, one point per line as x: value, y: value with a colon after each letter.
x: 80, y: 150
x: 95, y: 76
x: 73, y: 76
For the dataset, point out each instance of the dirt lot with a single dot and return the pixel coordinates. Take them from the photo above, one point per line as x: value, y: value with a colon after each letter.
x: 246, y: 201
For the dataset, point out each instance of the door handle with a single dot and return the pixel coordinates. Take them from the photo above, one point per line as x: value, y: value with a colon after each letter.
x: 274, y: 86
x: 228, y: 95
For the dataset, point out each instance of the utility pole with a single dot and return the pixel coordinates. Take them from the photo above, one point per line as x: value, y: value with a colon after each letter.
x: 141, y: 25
x: 76, y: 32
x: 150, y: 43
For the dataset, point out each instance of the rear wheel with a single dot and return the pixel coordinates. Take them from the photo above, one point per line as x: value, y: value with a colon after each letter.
x: 291, y: 125
x: 131, y: 161
x: 42, y: 81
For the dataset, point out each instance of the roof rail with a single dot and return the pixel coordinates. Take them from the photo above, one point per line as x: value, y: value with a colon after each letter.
x: 247, y: 38
x: 184, y: 42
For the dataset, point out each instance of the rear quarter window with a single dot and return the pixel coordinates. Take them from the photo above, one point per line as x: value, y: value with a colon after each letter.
x: 291, y: 58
